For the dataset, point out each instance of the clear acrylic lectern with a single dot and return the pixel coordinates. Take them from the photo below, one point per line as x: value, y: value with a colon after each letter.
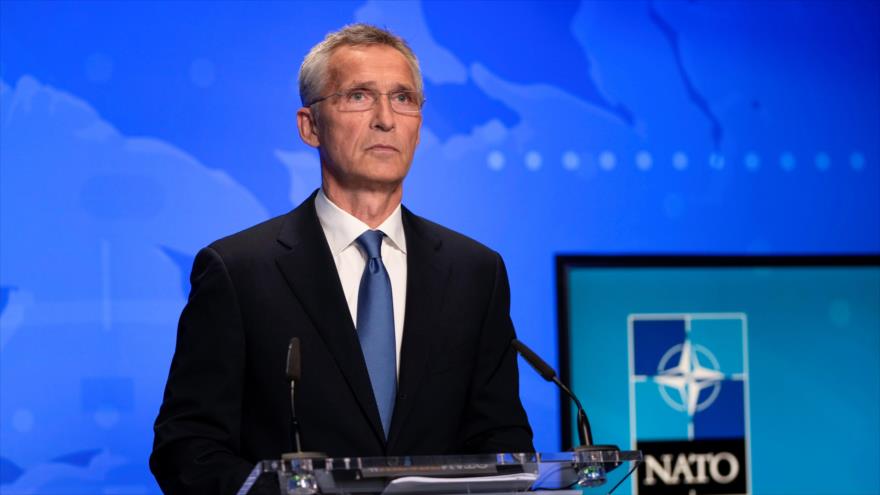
x: 598, y: 469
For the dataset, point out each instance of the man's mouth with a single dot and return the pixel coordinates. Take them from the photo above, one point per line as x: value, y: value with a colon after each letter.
x: 382, y: 147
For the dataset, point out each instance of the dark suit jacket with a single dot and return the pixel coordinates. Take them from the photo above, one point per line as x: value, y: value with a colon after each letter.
x: 227, y: 401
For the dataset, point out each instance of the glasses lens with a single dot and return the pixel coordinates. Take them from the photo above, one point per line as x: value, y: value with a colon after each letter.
x: 357, y: 100
x: 405, y: 101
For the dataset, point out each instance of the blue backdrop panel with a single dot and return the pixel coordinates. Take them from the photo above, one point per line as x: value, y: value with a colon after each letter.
x: 133, y: 133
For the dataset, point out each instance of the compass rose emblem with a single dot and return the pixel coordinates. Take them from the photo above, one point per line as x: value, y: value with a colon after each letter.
x: 684, y: 372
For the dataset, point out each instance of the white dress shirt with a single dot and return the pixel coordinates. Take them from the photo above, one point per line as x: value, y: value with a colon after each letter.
x: 341, y: 230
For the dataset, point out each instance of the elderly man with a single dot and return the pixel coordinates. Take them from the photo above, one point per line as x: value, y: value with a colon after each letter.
x: 404, y: 325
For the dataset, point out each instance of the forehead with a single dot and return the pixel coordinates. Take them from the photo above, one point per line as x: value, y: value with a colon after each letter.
x: 380, y: 64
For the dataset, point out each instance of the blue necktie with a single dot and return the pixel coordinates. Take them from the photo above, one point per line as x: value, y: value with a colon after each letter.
x: 375, y: 326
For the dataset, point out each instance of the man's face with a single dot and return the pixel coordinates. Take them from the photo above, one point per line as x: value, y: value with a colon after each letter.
x: 370, y: 149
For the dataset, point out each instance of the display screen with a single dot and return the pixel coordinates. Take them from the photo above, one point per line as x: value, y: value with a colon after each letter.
x: 728, y: 373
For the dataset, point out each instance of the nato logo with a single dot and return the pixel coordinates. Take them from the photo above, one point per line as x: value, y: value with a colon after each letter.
x: 689, y: 408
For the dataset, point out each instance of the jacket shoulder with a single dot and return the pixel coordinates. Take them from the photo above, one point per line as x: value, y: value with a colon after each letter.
x: 457, y: 244
x: 249, y: 240
x: 271, y: 237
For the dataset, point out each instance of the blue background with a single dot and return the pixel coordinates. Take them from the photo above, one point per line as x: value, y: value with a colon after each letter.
x: 813, y: 357
x: 133, y: 133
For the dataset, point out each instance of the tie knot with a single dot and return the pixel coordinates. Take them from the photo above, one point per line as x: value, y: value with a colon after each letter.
x: 371, y: 242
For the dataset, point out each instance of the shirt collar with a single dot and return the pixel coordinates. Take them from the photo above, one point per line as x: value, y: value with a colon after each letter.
x: 342, y: 228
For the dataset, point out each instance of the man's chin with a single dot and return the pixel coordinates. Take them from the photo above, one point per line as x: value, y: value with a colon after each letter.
x: 374, y: 183
x: 383, y: 173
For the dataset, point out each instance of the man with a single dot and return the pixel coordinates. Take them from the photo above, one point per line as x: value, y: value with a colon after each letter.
x: 404, y: 325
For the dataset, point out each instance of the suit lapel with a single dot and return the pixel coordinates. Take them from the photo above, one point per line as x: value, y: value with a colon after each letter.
x: 310, y: 272
x: 427, y: 275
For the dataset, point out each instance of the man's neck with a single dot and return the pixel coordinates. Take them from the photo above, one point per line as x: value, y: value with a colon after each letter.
x: 369, y: 206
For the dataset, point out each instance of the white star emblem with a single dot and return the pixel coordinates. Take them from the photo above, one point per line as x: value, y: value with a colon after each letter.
x: 689, y: 377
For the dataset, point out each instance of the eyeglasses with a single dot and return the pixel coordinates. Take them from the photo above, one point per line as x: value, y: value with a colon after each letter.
x: 363, y: 99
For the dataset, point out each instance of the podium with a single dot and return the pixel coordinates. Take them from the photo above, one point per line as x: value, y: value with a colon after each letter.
x: 600, y: 470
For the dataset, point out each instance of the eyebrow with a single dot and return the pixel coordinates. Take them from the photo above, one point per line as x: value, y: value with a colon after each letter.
x: 372, y: 85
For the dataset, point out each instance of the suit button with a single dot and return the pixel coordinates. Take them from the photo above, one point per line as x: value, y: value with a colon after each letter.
x: 401, y: 397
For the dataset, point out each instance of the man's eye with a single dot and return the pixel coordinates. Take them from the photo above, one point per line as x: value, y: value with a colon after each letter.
x: 404, y: 97
x: 358, y: 96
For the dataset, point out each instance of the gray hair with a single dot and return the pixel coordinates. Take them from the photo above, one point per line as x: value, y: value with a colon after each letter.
x: 313, y: 72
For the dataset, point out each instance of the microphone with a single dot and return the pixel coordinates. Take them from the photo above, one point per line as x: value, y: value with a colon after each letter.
x: 294, y: 373
x: 585, y: 435
x: 294, y: 365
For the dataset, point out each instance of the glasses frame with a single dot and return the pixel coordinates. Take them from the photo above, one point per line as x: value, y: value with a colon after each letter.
x: 387, y: 95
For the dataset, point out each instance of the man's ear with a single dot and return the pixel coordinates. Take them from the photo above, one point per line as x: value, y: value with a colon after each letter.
x: 308, y: 127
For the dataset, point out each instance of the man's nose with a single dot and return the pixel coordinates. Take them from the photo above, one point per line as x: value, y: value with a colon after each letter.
x: 383, y: 115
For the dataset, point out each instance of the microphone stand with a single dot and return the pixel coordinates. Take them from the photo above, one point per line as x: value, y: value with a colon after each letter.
x: 294, y: 373
x: 585, y: 434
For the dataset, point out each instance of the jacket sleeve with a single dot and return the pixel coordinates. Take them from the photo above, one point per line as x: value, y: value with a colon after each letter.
x: 197, y: 432
x: 495, y: 418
